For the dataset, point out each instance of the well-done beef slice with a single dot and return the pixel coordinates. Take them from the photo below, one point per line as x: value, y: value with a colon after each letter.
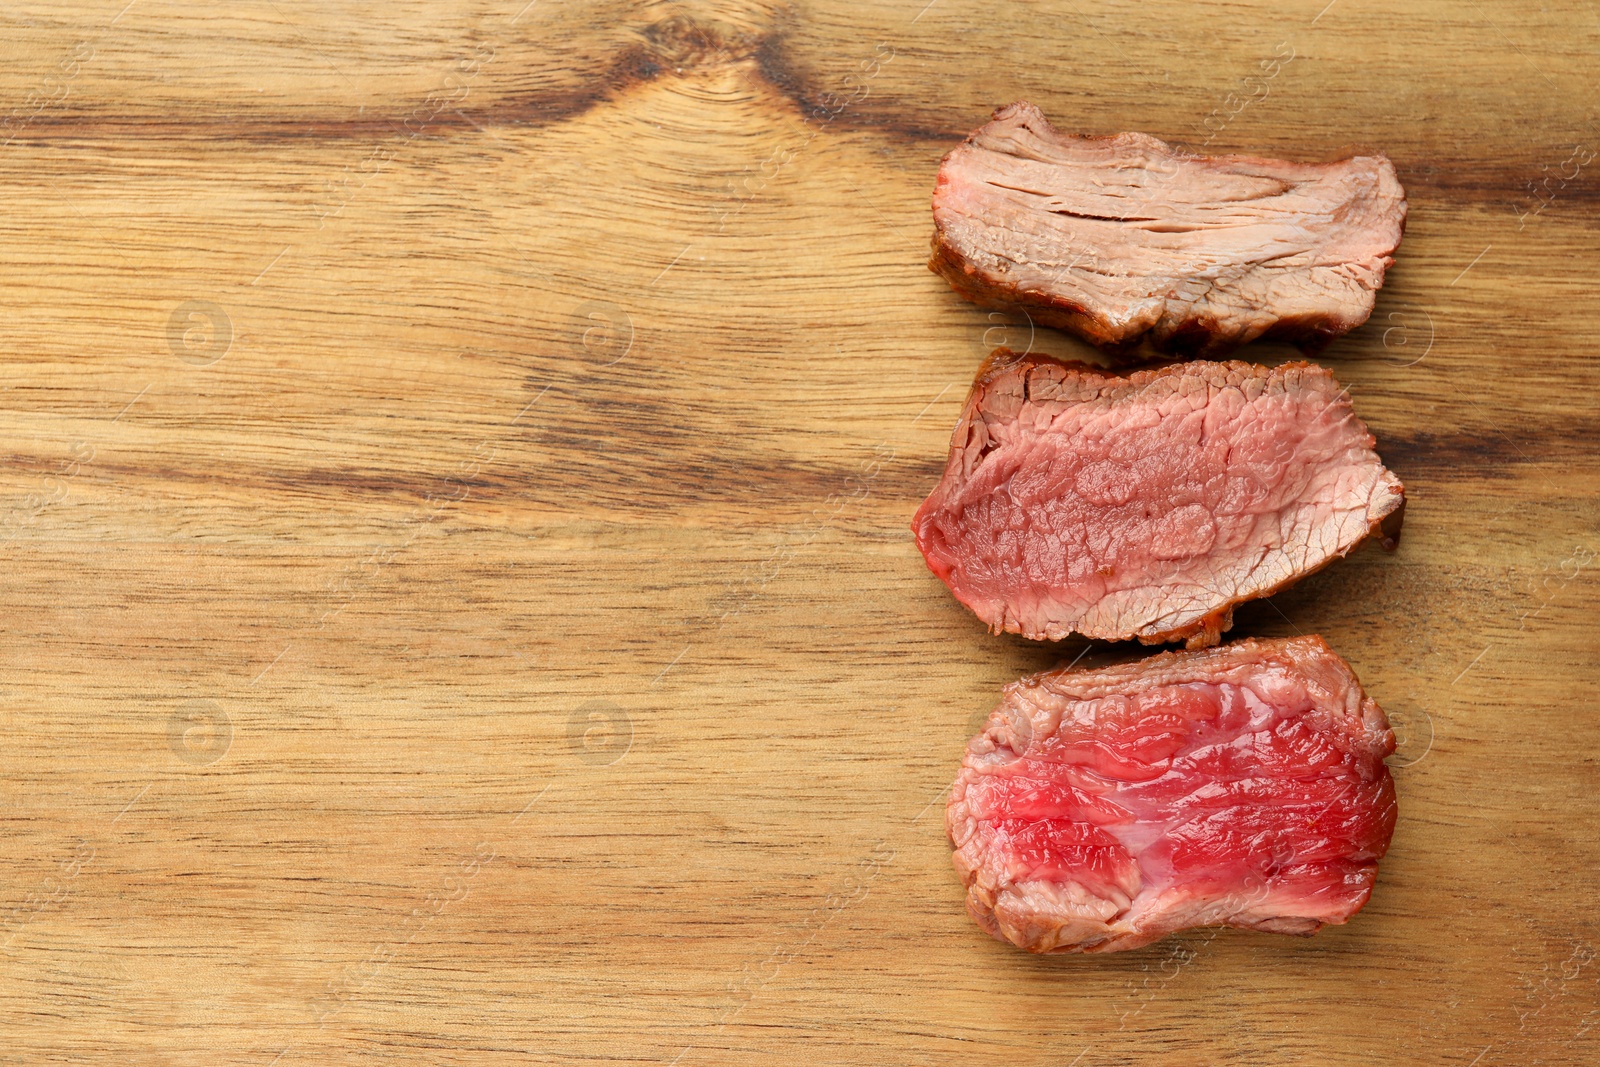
x: 1123, y: 240
x: 1147, y: 505
x: 1242, y: 786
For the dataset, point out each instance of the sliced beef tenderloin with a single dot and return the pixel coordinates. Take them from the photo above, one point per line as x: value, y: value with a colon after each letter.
x: 1242, y: 786
x: 1124, y: 241
x: 1147, y: 505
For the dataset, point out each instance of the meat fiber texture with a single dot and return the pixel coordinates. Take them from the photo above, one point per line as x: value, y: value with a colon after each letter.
x: 1242, y: 786
x: 1147, y: 505
x: 1128, y: 243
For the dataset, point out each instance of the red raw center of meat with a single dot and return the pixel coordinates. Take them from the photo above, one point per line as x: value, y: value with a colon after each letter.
x: 1204, y: 785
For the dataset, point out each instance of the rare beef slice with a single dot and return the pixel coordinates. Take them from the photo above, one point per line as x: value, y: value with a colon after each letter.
x: 1241, y: 786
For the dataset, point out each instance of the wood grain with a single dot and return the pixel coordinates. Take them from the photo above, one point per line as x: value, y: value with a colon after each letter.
x: 461, y: 606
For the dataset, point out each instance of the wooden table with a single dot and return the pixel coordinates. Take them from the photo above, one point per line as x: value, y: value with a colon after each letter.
x: 459, y: 601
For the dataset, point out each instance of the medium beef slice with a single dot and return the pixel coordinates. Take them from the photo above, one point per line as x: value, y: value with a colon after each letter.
x: 1147, y: 505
